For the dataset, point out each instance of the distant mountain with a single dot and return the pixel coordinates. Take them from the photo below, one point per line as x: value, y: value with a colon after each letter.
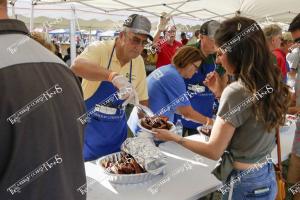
x: 93, y: 24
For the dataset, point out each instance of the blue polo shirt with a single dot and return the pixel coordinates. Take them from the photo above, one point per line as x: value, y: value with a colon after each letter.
x: 204, y: 99
x: 167, y: 90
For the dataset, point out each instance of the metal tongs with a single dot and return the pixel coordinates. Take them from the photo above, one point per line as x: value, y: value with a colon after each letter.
x: 144, y: 110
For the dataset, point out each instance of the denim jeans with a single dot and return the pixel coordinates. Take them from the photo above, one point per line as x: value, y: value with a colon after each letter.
x: 259, y: 184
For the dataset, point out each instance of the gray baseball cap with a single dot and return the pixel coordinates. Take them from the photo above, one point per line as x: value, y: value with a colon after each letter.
x: 139, y: 24
x: 209, y: 28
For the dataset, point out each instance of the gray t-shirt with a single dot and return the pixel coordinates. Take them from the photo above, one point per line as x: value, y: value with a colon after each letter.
x: 250, y: 141
x: 293, y: 59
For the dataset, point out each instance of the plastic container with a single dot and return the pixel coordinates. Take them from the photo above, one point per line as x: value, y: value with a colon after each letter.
x: 179, y: 127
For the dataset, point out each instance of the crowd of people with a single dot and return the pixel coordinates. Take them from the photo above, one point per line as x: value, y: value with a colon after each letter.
x: 214, y: 72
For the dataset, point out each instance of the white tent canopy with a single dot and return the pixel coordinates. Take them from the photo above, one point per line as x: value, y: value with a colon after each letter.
x: 188, y: 11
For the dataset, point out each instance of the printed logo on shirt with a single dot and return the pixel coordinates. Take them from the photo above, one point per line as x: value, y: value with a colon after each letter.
x: 158, y: 74
x: 196, y: 88
x: 36, y: 173
x: 133, y: 77
x: 44, y: 97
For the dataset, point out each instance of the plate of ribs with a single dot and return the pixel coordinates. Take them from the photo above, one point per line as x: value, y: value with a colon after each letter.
x: 122, y: 168
x: 206, y: 130
x: 158, y: 122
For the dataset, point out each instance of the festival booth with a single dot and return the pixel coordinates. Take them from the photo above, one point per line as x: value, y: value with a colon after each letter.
x: 185, y: 175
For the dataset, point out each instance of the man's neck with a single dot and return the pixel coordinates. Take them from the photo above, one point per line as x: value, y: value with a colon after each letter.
x: 180, y: 71
x: 120, y: 54
x: 171, y: 42
x: 205, y: 53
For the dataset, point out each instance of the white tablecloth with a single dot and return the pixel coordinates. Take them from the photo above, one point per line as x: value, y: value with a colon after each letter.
x: 180, y: 183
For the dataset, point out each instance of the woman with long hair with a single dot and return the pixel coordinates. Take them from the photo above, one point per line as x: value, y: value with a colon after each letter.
x: 251, y: 107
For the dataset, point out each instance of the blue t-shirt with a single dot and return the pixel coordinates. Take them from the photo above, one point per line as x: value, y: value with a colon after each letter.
x: 203, y: 101
x: 167, y: 91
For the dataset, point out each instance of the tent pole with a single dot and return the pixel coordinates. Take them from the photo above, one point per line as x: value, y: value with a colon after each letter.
x: 72, y: 34
x: 13, y: 9
x: 31, y: 17
x: 90, y: 36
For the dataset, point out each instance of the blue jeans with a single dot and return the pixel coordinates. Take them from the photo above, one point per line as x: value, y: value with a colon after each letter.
x: 257, y: 185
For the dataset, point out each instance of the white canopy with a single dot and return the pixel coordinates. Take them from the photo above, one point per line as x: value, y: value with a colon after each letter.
x: 184, y: 11
x: 188, y: 12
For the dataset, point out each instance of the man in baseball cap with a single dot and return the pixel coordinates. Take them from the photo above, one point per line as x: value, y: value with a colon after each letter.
x: 207, y: 45
x: 113, y: 75
x: 207, y: 32
x: 138, y: 24
x: 209, y: 28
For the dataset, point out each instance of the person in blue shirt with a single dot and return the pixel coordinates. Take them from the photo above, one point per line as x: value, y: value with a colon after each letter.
x: 204, y: 100
x: 167, y: 91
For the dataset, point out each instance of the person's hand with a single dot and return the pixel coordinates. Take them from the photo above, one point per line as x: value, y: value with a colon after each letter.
x: 294, y: 46
x: 209, y: 122
x: 165, y: 135
x: 120, y: 82
x: 164, y: 19
x: 132, y: 98
x: 126, y: 90
x: 216, y: 83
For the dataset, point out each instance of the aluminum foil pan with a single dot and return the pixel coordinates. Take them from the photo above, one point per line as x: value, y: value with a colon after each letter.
x: 145, y: 153
x: 124, y: 178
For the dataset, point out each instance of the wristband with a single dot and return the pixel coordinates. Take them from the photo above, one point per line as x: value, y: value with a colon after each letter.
x: 180, y: 141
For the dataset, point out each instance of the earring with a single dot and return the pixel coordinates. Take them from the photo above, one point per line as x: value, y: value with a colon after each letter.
x: 239, y: 26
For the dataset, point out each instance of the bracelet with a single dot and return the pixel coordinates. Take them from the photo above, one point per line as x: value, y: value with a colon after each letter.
x: 180, y: 141
x: 111, y: 75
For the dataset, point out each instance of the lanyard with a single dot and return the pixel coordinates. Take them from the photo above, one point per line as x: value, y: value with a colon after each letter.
x: 110, y: 58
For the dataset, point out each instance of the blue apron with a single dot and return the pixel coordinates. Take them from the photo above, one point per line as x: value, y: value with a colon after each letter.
x: 105, y: 133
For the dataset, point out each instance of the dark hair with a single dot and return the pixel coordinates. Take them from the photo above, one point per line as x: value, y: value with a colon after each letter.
x: 145, y: 51
x: 197, y: 33
x: 254, y: 67
x: 182, y: 34
x: 295, y: 24
x: 187, y: 55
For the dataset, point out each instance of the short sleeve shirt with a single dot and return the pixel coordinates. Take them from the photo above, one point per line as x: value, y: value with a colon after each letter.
x: 166, y: 91
x: 293, y: 59
x: 250, y: 141
x: 281, y: 61
x: 166, y: 52
x: 99, y: 52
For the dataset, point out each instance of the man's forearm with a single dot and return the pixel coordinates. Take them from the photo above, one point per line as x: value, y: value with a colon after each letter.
x: 89, y: 70
x: 195, y: 116
x: 189, y: 113
x: 156, y: 35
